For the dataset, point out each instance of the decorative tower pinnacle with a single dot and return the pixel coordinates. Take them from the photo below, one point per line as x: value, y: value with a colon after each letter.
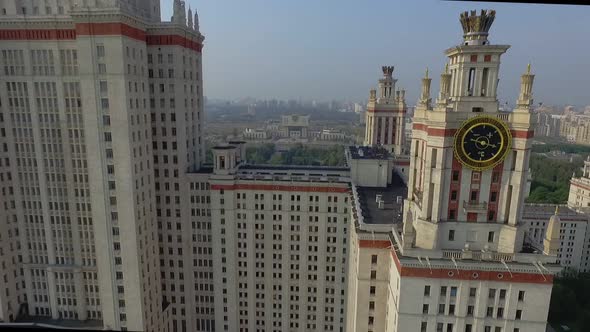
x: 525, y: 98
x: 190, y: 18
x: 387, y: 85
x: 175, y: 11
x: 551, y: 242
x: 196, y: 22
x: 476, y: 27
x: 425, y: 96
x: 445, y: 86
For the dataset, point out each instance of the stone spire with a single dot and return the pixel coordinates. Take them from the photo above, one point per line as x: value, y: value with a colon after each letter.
x: 551, y: 240
x: 445, y: 86
x: 175, y: 11
x: 196, y: 22
x: 182, y: 13
x: 525, y: 98
x: 425, y: 95
x: 190, y: 17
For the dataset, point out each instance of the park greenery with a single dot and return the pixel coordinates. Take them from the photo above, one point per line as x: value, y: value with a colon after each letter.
x: 570, y: 302
x: 550, y: 178
x: 297, y: 155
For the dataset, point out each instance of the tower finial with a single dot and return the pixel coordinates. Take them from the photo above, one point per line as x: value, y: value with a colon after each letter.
x: 387, y: 71
x: 426, y: 74
x: 528, y: 68
x: 476, y: 27
x: 556, y: 209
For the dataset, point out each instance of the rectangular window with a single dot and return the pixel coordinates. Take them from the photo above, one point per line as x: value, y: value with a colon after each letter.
x: 443, y: 291
x: 455, y: 176
x: 452, y: 235
x: 472, y: 291
x: 492, y: 293
x: 372, y: 290
x: 471, y: 81
x: 425, y: 308
x: 441, y: 308
x: 500, y: 313
x: 452, y: 215
x: 484, y: 81
x: 470, y: 310
x: 454, y: 195
x: 521, y: 296
x: 373, y: 259
x: 423, y: 327
x: 100, y: 52
x: 490, y: 312
x: 493, y: 196
x: 502, y: 293
x: 453, y: 291
x: 373, y: 275
x: 474, y: 196
x: 518, y: 314
x: 491, y: 237
x: 468, y: 328
x: 427, y: 290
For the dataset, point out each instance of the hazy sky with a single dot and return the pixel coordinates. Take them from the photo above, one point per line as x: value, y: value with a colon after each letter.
x: 334, y: 49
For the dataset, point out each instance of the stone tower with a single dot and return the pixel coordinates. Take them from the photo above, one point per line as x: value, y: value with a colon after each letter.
x: 385, y: 116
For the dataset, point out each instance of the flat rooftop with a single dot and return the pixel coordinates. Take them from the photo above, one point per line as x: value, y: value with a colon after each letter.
x: 47, y: 323
x: 294, y: 168
x: 542, y: 212
x: 391, y: 211
x: 368, y: 152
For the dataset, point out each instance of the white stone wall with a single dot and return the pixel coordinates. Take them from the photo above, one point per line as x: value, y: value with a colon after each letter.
x: 286, y: 252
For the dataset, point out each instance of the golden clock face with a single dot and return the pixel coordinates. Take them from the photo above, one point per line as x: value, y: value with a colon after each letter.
x: 482, y: 142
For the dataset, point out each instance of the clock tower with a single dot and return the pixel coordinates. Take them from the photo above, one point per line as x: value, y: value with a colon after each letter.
x: 469, y: 161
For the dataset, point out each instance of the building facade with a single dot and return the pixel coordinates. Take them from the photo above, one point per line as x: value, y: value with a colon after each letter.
x: 458, y: 261
x: 91, y: 94
x: 281, y: 245
x: 385, y: 115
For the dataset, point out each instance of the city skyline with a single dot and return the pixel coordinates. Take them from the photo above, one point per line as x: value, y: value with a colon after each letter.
x: 334, y: 50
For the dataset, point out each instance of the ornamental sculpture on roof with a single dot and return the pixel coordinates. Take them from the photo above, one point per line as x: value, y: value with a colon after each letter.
x: 477, y: 24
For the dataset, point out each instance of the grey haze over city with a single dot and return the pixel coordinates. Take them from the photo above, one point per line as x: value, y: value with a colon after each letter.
x: 326, y: 50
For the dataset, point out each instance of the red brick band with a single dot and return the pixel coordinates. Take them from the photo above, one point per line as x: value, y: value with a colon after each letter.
x: 101, y: 29
x: 415, y: 272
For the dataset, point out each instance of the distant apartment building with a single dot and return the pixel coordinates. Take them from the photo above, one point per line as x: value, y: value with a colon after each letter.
x: 548, y: 125
x: 579, y: 195
x: 574, y: 233
x: 332, y: 135
x: 255, y: 134
x: 575, y: 128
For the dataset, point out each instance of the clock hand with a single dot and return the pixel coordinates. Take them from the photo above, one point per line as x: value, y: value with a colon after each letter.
x: 484, y: 143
